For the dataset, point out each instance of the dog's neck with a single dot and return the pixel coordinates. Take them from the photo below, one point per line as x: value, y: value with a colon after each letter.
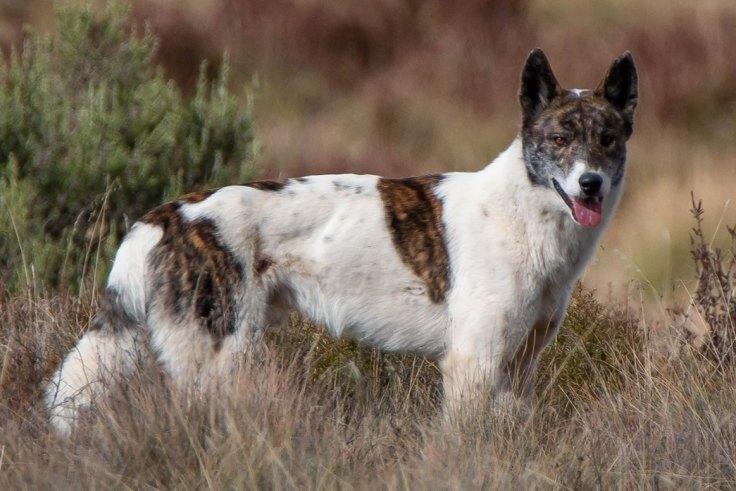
x: 557, y: 245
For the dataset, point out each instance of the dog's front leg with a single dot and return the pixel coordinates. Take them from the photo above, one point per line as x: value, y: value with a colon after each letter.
x: 522, y: 367
x: 475, y: 367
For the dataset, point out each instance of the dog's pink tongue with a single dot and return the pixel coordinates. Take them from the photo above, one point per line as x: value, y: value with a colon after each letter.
x: 587, y: 213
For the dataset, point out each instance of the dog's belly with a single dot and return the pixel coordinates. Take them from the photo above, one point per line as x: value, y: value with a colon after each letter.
x: 350, y: 278
x: 385, y: 317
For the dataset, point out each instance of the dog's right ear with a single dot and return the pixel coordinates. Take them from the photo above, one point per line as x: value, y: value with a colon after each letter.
x: 538, y: 85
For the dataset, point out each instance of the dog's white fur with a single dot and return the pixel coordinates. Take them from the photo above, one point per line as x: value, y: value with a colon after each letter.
x: 515, y: 253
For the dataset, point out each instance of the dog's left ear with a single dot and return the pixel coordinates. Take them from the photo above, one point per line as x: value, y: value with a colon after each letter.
x: 620, y: 87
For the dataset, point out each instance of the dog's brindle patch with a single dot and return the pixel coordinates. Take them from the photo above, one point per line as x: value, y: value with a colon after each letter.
x: 414, y: 218
x: 195, y: 274
x: 586, y: 120
x: 268, y: 184
x: 261, y: 263
x: 197, y: 196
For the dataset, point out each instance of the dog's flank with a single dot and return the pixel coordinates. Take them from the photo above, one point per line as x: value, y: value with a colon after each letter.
x: 473, y: 268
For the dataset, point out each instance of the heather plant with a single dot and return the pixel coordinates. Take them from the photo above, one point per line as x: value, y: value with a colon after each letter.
x: 92, y: 134
x: 714, y: 299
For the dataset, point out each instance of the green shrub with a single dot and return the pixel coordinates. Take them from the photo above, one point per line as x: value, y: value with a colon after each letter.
x: 92, y: 134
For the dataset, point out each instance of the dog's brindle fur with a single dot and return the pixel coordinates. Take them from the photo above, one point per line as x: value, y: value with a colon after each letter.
x: 193, y: 272
x: 591, y: 125
x: 474, y: 268
x: 414, y: 217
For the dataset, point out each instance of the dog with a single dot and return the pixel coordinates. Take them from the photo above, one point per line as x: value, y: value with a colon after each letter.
x: 474, y: 269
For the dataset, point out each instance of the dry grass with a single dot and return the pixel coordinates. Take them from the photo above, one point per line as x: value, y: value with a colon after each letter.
x: 611, y: 411
x: 620, y: 403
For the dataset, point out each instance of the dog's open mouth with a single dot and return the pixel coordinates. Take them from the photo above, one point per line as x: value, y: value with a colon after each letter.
x: 587, y: 212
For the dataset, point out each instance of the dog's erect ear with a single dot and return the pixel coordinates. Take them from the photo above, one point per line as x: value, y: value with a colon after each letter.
x: 538, y: 85
x: 619, y: 87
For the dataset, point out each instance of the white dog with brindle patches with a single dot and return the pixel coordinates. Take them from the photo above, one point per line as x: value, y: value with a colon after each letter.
x: 472, y: 268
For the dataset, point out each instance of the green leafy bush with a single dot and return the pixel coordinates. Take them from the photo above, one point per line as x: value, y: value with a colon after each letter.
x: 92, y: 134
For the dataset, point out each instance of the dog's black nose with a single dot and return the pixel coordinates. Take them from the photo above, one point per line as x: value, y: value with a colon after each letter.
x: 591, y: 182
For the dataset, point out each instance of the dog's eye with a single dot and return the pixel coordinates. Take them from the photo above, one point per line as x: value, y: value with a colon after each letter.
x: 606, y: 140
x: 560, y: 140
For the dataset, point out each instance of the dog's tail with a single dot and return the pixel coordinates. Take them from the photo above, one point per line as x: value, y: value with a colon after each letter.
x: 110, y: 349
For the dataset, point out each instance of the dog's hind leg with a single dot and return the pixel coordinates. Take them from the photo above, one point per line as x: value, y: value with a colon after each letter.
x: 203, y: 337
x: 107, y: 353
x: 199, y: 360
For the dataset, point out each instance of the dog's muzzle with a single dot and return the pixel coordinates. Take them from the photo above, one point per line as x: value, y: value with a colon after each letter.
x: 587, y: 212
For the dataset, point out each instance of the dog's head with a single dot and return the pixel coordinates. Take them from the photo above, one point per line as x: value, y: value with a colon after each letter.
x: 574, y: 141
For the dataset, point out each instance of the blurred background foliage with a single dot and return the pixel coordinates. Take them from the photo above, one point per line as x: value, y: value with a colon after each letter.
x: 388, y: 87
